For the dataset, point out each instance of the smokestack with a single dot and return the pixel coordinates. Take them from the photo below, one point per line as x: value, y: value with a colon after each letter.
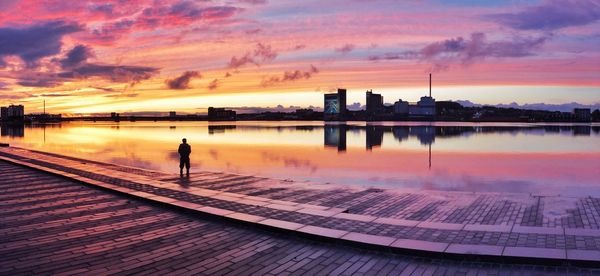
x: 430, y: 85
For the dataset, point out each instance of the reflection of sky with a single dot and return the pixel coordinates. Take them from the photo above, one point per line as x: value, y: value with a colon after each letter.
x: 487, y: 157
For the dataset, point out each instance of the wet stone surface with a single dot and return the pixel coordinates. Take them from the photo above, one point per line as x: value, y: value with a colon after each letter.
x: 438, y: 219
x: 51, y: 225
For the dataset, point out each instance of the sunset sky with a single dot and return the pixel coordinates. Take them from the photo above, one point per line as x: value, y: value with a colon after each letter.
x: 159, y: 55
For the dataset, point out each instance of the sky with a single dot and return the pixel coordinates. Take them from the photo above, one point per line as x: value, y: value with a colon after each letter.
x: 93, y: 56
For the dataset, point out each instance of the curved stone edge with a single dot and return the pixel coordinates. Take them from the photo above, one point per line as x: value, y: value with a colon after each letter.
x: 502, y: 254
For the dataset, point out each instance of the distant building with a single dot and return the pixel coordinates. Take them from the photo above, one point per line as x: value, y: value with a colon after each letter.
x: 12, y: 113
x: 401, y: 107
x: 221, y: 114
x: 334, y: 106
x: 582, y: 114
x: 424, y: 108
x: 4, y: 113
x: 115, y: 115
x: 374, y: 103
x: 172, y: 114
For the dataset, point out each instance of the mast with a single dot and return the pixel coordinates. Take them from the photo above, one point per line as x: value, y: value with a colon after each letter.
x: 430, y: 85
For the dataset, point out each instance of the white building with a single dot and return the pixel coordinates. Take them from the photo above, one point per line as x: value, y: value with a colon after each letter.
x: 425, y: 107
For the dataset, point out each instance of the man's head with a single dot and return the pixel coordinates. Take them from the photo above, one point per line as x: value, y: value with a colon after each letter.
x: 184, y: 140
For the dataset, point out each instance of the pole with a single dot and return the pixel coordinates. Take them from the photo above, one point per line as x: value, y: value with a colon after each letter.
x: 430, y: 85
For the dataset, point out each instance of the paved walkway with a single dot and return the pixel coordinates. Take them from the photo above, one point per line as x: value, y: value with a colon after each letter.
x: 509, y: 225
x: 52, y: 225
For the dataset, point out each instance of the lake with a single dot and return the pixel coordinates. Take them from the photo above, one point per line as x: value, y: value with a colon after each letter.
x: 470, y: 157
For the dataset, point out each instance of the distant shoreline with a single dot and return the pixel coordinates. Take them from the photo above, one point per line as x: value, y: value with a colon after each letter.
x: 183, y: 119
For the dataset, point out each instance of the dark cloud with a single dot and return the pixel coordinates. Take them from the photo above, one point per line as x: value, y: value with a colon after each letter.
x: 41, y: 81
x: 183, y: 81
x: 290, y: 76
x: 262, y: 53
x: 77, y: 56
x: 395, y: 56
x: 466, y: 51
x: 254, y: 2
x: 347, y: 48
x: 552, y: 15
x: 299, y: 47
x: 5, y: 96
x: 107, y: 89
x: 35, y: 42
x: 182, y: 13
x: 115, y: 73
x: 236, y: 62
x: 107, y: 9
x: 214, y: 84
x: 108, y: 33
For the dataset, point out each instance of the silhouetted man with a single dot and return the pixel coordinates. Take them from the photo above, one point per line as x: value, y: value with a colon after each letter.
x: 184, y: 156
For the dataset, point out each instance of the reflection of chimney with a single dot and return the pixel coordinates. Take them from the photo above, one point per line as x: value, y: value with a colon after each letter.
x: 430, y: 85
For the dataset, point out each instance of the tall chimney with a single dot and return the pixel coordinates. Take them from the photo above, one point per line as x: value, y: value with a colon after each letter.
x: 430, y: 85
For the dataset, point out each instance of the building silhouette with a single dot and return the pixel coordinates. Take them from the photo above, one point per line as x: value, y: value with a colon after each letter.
x: 12, y: 113
x: 221, y: 114
x: 374, y: 103
x: 582, y: 114
x: 334, y: 106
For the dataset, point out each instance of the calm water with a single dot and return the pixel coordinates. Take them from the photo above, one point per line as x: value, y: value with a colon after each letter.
x: 504, y: 157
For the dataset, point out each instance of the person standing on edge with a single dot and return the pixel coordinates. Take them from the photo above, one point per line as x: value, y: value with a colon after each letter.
x: 184, y: 157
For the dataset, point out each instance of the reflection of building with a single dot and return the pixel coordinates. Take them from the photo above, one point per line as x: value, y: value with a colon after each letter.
x: 219, y: 129
x: 334, y: 108
x: 335, y: 136
x: 374, y: 136
x: 582, y: 114
x: 582, y: 130
x: 425, y: 134
x: 16, y: 130
x: 221, y: 114
x: 12, y: 113
x: 401, y: 132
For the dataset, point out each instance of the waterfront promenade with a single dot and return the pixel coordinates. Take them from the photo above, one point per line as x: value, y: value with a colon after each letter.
x: 62, y: 214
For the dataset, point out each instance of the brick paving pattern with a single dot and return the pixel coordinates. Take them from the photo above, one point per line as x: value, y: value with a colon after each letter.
x: 50, y: 225
x: 438, y: 217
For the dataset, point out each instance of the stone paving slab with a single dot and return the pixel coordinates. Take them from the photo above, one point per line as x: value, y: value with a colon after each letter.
x: 327, y: 220
x: 119, y: 235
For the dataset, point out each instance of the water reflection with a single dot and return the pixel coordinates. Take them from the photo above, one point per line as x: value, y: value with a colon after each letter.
x: 441, y: 156
x: 12, y: 130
